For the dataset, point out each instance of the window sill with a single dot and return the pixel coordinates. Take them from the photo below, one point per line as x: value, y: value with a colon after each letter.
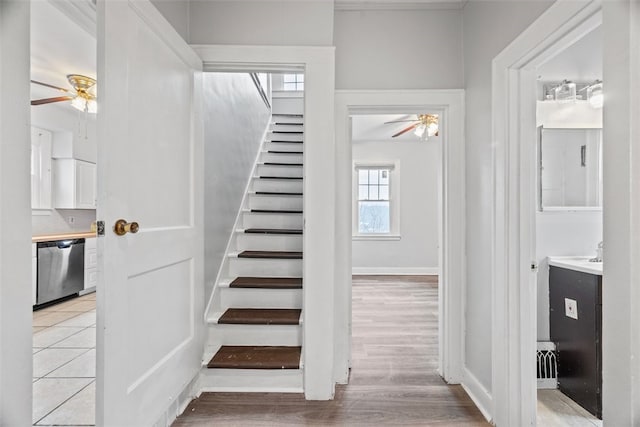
x: 375, y: 237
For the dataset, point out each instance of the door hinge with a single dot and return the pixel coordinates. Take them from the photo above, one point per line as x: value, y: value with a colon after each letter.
x: 100, y: 228
x: 534, y: 266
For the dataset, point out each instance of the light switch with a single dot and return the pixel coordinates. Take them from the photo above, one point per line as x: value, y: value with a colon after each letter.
x: 571, y: 308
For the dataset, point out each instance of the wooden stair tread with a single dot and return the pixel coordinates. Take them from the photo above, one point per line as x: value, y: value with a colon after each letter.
x: 280, y: 177
x: 285, y: 142
x: 287, y: 131
x: 276, y: 211
x: 281, y: 164
x: 270, y: 254
x: 284, y: 152
x: 267, y: 282
x: 256, y: 357
x: 277, y: 193
x: 288, y: 124
x: 273, y: 231
x: 260, y: 316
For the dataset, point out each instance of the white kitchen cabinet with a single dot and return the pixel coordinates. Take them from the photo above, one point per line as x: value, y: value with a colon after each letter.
x: 74, y: 183
x: 90, y: 264
x: 34, y: 271
x: 40, y: 168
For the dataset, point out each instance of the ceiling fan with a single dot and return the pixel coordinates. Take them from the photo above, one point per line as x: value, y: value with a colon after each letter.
x: 424, y: 126
x: 81, y: 97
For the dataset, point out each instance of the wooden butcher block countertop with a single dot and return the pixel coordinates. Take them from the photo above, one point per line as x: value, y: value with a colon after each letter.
x: 63, y: 236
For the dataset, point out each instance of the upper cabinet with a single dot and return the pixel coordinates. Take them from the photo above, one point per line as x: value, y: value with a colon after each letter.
x: 40, y: 168
x: 74, y: 184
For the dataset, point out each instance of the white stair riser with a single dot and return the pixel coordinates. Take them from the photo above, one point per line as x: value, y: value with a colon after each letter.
x: 271, y: 136
x: 257, y: 201
x: 294, y: 128
x: 251, y: 267
x: 260, y: 298
x: 271, y: 220
x: 278, y: 185
x: 252, y: 380
x: 281, y: 158
x: 255, y: 335
x: 268, y: 242
x: 277, y: 118
x: 275, y: 170
x: 283, y: 146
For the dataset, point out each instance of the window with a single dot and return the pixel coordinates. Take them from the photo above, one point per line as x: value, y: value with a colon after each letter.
x: 293, y: 82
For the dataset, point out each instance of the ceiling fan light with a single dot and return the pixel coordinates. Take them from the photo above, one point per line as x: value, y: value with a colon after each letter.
x: 92, y: 106
x: 432, y: 129
x: 78, y: 103
x: 420, y: 130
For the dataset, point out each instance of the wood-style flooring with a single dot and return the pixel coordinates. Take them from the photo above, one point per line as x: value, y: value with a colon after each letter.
x: 394, y: 379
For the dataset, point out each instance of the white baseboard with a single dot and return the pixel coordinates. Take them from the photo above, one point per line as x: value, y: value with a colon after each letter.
x: 417, y: 271
x: 478, y: 393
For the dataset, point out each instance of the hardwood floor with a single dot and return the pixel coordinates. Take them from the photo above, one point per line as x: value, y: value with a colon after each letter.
x: 393, y: 378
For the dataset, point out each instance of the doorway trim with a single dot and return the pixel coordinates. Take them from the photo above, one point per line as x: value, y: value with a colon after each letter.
x: 450, y: 103
x: 319, y: 184
x: 514, y: 283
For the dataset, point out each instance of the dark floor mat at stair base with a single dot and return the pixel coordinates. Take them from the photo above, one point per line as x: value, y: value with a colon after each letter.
x: 260, y: 316
x: 247, y: 357
x: 272, y: 231
x: 270, y: 254
x: 267, y: 282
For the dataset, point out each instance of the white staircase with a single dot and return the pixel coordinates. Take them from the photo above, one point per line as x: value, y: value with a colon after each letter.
x: 255, y: 314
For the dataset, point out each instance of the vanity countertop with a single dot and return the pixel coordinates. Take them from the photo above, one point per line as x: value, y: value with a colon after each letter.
x: 577, y: 263
x: 63, y: 236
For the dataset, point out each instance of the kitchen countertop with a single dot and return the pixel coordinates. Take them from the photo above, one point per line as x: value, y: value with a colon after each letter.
x: 63, y: 236
x: 577, y: 263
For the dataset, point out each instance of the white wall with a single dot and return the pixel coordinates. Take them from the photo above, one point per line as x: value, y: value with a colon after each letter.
x: 417, y: 250
x: 399, y: 49
x: 235, y: 119
x: 562, y: 234
x: 489, y: 26
x: 266, y: 22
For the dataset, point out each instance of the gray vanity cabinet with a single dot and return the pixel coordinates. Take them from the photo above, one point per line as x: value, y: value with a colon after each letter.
x: 578, y: 341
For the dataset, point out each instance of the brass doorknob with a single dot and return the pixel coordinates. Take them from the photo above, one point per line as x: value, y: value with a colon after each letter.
x: 123, y: 227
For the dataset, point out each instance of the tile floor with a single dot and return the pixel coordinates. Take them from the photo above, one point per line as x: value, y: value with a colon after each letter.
x: 64, y: 363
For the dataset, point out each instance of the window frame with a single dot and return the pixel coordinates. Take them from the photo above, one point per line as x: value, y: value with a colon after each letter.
x: 298, y: 82
x: 394, y: 200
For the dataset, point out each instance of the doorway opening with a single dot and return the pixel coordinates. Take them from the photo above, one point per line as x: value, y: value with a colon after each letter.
x: 63, y: 204
x: 568, y: 232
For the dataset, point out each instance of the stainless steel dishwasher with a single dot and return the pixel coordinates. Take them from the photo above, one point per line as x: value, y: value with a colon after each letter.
x: 60, y: 269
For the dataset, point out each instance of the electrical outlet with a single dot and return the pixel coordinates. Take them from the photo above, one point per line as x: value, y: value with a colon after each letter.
x: 571, y: 308
x: 71, y: 220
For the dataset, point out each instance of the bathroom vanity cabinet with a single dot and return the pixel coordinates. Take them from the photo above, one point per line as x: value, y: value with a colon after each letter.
x: 575, y: 301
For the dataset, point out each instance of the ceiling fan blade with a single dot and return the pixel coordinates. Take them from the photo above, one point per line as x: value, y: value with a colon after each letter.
x: 51, y: 86
x: 405, y: 130
x: 51, y: 100
x: 400, y: 121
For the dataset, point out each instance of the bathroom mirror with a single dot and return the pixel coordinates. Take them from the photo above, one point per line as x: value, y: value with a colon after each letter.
x: 570, y: 169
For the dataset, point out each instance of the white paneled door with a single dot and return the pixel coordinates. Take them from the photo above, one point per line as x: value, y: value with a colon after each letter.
x: 149, y: 170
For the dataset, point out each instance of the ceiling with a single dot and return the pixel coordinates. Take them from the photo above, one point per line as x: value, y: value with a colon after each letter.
x: 59, y: 46
x: 580, y: 62
x: 370, y: 128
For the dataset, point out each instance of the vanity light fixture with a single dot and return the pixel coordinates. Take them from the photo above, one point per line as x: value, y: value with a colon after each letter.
x: 565, y: 91
x: 595, y: 95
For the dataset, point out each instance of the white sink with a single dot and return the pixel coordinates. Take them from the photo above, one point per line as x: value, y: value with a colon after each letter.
x: 577, y: 263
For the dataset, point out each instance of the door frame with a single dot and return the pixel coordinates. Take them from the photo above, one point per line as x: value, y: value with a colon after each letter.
x: 514, y: 285
x: 319, y: 183
x: 452, y: 217
x: 16, y: 316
